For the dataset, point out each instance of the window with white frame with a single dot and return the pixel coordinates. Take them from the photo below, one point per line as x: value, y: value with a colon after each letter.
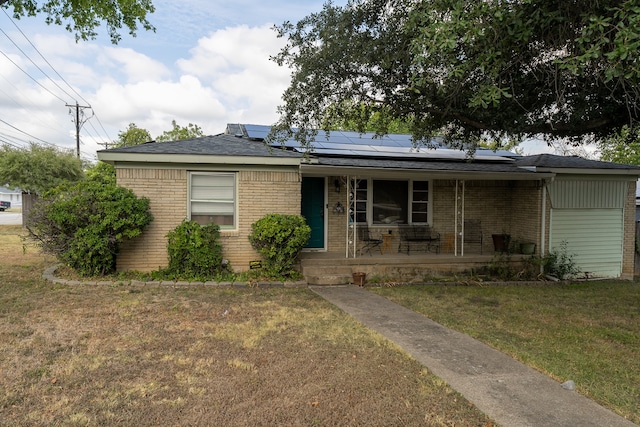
x: 420, y: 201
x: 390, y: 201
x: 212, y: 198
x: 380, y: 202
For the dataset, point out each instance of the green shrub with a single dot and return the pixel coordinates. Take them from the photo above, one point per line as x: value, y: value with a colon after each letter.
x: 279, y: 239
x: 195, y: 251
x: 561, y: 264
x: 84, y: 225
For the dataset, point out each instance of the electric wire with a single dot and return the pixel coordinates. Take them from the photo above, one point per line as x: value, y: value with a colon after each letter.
x: 44, y: 59
x: 28, y: 134
x: 47, y: 76
x: 28, y: 75
x: 36, y: 65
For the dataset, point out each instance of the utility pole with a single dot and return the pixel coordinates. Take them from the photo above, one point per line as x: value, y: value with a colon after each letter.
x: 79, y: 112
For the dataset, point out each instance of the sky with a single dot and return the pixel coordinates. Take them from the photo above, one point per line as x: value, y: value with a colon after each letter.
x: 206, y: 64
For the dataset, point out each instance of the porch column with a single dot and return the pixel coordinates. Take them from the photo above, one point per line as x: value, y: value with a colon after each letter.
x: 458, y: 217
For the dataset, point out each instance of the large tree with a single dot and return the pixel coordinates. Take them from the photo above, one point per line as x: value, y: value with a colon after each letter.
x: 132, y: 136
x: 178, y: 132
x: 623, y: 147
x: 38, y: 168
x: 467, y: 69
x: 82, y: 18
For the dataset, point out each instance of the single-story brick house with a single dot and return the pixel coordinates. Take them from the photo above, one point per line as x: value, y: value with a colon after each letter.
x: 381, y: 185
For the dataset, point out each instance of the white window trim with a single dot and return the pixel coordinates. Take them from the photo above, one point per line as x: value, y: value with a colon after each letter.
x: 410, y: 182
x: 235, y: 196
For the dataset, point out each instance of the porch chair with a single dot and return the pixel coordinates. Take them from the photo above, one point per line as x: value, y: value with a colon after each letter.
x: 419, y: 235
x: 473, y: 232
x: 368, y: 242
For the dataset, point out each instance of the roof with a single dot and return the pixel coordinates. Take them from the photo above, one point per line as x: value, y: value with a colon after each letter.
x: 349, y: 152
x: 575, y: 165
x: 368, y: 144
x: 215, y: 145
x: 553, y: 161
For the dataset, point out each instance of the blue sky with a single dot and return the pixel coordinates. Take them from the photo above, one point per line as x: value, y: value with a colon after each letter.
x: 207, y: 64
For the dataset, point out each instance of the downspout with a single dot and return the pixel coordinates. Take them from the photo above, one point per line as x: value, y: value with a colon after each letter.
x: 455, y: 222
x: 462, y: 220
x: 543, y: 222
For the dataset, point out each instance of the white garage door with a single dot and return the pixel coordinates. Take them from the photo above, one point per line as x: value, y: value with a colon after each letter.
x: 594, y: 236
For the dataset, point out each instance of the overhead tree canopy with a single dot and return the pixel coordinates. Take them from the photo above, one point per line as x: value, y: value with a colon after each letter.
x: 83, y: 18
x: 466, y: 69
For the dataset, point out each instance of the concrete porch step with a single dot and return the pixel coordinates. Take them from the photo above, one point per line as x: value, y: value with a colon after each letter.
x: 327, y: 275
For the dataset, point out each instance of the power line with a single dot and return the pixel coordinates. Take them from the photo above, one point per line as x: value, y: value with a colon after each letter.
x: 36, y: 65
x: 44, y: 59
x: 28, y: 75
x: 28, y: 134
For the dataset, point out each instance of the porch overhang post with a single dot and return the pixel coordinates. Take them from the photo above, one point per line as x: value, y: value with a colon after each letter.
x: 351, y: 243
x: 458, y: 217
x: 455, y: 222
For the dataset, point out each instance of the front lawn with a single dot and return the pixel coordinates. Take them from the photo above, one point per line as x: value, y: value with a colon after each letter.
x: 117, y: 355
x: 588, y: 332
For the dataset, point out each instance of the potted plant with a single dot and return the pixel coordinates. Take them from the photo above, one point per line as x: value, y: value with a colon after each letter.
x: 527, y: 248
x: 501, y: 242
x: 359, y: 278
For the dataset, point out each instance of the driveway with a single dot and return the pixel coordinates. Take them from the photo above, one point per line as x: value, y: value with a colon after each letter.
x: 10, y: 218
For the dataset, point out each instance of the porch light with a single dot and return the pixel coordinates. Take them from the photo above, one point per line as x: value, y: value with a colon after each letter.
x: 338, y: 208
x: 336, y: 183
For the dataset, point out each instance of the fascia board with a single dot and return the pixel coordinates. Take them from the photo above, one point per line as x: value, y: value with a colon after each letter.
x: 438, y: 174
x: 197, y: 159
x: 576, y: 171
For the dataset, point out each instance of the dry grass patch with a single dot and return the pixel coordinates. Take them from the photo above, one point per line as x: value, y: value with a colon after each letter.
x: 150, y: 355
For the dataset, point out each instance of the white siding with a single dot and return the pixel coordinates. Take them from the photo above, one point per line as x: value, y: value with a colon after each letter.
x: 581, y: 193
x: 594, y: 236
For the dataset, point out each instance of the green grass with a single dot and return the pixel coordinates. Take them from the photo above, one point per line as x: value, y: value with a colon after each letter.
x: 588, y: 332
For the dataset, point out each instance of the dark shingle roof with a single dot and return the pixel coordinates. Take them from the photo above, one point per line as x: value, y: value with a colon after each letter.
x: 216, y: 145
x: 430, y: 165
x: 569, y: 162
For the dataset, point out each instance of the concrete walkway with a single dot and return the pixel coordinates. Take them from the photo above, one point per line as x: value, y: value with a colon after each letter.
x: 506, y: 390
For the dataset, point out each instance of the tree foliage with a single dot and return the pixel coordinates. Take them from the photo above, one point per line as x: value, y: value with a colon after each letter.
x: 466, y: 69
x: 133, y: 135
x: 38, y: 168
x: 102, y: 172
x: 178, y: 133
x: 83, y: 18
x: 84, y: 225
x: 623, y: 147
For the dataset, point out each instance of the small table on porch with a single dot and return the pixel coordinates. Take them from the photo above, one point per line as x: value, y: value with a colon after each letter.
x: 387, y: 243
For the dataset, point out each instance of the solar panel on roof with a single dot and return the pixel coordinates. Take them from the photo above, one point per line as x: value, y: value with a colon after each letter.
x: 348, y: 143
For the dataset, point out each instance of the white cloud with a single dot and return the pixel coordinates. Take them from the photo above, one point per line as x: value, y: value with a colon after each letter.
x: 136, y: 67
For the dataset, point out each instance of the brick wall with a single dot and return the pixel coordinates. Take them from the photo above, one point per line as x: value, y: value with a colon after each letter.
x: 259, y: 193
x: 501, y: 206
x: 166, y: 190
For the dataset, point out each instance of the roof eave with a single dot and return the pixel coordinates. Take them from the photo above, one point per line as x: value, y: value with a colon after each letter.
x: 587, y: 171
x: 439, y: 174
x: 115, y: 157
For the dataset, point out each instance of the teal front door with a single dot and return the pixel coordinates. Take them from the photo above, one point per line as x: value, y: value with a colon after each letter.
x: 313, y: 210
